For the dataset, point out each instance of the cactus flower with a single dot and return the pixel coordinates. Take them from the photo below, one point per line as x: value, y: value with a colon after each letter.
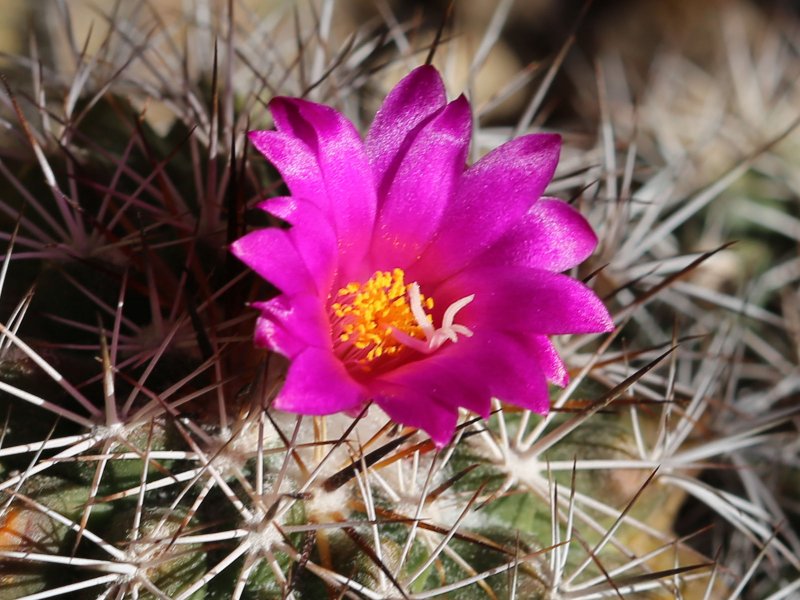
x: 407, y: 278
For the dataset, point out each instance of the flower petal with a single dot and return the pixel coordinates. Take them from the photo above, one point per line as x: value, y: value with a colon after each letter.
x: 296, y: 163
x: 412, y: 406
x: 289, y: 324
x: 318, y: 384
x: 452, y: 377
x: 280, y: 206
x: 552, y: 236
x: 418, y: 95
x: 548, y: 358
x: 420, y: 185
x: 492, y: 196
x: 341, y: 157
x: 469, y: 373
x: 332, y: 171
x: 272, y: 254
x: 272, y: 335
x: 290, y: 258
x: 516, y: 375
x: 313, y: 236
x: 523, y: 300
x: 509, y: 369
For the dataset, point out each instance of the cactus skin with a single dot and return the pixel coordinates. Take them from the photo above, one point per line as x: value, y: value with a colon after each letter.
x: 175, y: 479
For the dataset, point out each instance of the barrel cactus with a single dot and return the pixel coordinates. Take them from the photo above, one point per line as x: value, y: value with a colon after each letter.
x: 141, y: 453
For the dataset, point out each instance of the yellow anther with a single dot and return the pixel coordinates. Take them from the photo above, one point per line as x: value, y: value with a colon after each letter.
x: 368, y: 313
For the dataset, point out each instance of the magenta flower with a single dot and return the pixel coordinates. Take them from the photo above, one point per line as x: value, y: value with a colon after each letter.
x: 408, y: 279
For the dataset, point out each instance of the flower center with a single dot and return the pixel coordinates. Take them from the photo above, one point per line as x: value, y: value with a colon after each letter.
x: 384, y: 315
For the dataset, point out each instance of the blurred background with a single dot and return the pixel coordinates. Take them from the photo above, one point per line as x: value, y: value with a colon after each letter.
x: 635, y: 30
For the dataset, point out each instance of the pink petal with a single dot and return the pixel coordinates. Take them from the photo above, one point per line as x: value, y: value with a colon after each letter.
x: 318, y: 384
x: 313, y: 236
x: 290, y: 324
x: 509, y: 369
x: 418, y: 95
x: 469, y: 373
x: 296, y: 163
x: 552, y: 236
x: 281, y: 206
x: 273, y: 335
x: 492, y: 196
x: 413, y: 407
x: 522, y: 300
x: 547, y: 356
x: 516, y: 375
x: 452, y: 376
x: 272, y: 254
x: 420, y: 184
x: 321, y: 158
x: 289, y: 258
x: 342, y: 161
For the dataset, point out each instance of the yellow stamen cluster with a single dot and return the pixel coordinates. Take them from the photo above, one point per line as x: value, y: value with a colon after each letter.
x: 368, y: 312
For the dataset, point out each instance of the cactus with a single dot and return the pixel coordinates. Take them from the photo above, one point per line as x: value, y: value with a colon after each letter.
x: 139, y: 454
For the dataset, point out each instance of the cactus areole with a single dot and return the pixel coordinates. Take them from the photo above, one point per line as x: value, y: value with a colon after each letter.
x: 407, y: 278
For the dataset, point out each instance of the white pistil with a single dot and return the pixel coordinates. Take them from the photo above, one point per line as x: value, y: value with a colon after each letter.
x: 434, y: 338
x: 415, y: 302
